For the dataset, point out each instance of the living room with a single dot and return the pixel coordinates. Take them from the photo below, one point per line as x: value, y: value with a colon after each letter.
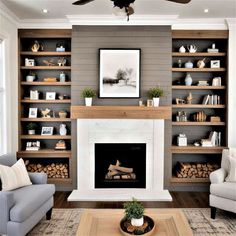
x: 114, y: 111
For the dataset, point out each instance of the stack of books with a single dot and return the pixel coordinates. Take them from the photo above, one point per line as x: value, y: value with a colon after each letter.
x: 212, y: 50
x: 213, y: 140
x: 203, y: 83
x: 211, y: 100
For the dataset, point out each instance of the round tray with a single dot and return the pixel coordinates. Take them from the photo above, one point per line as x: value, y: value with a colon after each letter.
x: 148, y: 231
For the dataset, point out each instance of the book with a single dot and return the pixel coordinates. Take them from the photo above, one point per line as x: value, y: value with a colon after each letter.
x: 205, y: 100
x: 212, y: 50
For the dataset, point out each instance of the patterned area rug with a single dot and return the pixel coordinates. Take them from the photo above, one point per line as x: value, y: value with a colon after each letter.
x: 65, y: 223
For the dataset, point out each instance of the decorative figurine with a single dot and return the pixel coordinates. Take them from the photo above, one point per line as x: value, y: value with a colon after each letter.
x: 182, y: 49
x: 45, y: 113
x: 35, y: 47
x: 192, y: 48
x: 63, y: 130
x: 201, y: 63
x: 189, y: 98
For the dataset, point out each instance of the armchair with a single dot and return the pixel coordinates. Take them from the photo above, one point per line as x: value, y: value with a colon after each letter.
x: 222, y: 194
x: 22, y: 208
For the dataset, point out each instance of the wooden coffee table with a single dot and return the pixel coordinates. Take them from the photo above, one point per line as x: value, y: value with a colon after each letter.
x: 105, y: 222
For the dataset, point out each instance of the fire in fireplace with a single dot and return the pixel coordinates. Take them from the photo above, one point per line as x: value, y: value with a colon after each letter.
x: 120, y: 165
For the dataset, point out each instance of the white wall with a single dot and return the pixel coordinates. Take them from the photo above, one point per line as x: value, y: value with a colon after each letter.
x: 8, y: 32
x: 232, y: 83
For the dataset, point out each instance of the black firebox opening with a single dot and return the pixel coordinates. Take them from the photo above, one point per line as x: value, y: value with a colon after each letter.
x: 120, y: 165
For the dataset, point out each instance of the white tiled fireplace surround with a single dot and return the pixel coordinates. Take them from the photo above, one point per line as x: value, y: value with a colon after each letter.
x: 91, y: 131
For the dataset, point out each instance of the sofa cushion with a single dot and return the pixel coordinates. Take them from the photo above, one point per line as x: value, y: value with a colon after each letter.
x: 225, y: 190
x: 15, y: 176
x: 232, y: 172
x: 29, y: 199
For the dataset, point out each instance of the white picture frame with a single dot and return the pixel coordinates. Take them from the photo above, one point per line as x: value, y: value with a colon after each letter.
x: 33, y: 112
x: 119, y: 72
x: 215, y: 63
x: 50, y: 96
x: 34, y: 95
x: 47, y: 131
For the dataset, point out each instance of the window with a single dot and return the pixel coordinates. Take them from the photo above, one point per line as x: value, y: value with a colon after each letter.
x: 2, y: 101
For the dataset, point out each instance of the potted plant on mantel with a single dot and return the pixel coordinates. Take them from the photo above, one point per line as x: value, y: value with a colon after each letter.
x: 134, y: 211
x: 88, y: 94
x: 155, y: 94
x: 31, y: 127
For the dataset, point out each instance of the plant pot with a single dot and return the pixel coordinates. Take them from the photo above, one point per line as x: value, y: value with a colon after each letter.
x: 30, y: 78
x: 31, y: 131
x: 137, y: 222
x: 88, y: 102
x: 156, y: 102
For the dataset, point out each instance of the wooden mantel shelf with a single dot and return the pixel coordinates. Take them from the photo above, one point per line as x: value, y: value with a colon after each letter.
x: 120, y: 112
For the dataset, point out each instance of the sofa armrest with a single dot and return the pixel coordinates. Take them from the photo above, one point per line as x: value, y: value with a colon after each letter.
x: 38, y: 178
x: 218, y: 176
x: 6, y: 203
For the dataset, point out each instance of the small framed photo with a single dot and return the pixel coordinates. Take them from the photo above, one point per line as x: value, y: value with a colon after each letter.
x: 47, y: 131
x: 34, y: 95
x: 33, y: 112
x: 50, y: 95
x: 215, y: 64
x: 29, y: 62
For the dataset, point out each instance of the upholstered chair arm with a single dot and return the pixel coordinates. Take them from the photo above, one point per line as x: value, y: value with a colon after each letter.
x: 6, y: 203
x: 218, y: 176
x: 38, y: 178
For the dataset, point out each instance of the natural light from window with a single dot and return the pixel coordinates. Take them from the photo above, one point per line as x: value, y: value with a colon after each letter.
x: 2, y: 100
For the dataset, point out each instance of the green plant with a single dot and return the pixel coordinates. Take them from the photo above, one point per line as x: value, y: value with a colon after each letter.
x: 32, y: 73
x: 88, y: 93
x: 31, y: 126
x: 133, y: 209
x: 155, y: 93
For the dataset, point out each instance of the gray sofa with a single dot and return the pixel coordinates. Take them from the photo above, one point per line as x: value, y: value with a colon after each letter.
x: 23, y: 208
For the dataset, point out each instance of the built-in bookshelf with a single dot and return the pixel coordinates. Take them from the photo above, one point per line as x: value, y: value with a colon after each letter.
x: 47, y: 49
x: 196, y: 99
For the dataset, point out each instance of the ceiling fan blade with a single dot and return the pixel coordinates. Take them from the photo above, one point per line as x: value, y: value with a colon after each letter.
x: 180, y: 1
x: 82, y: 2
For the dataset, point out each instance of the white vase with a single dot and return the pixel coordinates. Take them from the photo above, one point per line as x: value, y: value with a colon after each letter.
x: 88, y: 102
x: 30, y: 78
x: 63, y: 130
x: 137, y: 222
x: 31, y: 131
x: 188, y: 80
x: 156, y: 102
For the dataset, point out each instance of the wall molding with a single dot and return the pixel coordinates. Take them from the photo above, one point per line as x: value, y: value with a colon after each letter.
x: 4, y: 11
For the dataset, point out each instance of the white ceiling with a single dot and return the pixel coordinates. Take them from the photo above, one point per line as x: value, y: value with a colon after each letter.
x: 59, y: 9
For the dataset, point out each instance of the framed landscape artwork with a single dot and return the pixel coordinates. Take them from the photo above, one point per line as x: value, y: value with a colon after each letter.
x: 119, y: 73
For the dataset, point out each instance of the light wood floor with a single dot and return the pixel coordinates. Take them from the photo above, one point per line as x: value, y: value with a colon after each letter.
x: 180, y: 200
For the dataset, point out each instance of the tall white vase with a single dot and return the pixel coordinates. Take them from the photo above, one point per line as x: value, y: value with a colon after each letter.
x: 156, y: 102
x: 88, y: 102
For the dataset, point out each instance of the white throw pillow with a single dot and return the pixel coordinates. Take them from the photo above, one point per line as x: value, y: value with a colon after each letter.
x: 15, y: 176
x: 232, y: 171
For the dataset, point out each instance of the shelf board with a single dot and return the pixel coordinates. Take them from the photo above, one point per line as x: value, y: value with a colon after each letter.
x: 198, y: 69
x: 45, y: 67
x: 46, y: 83
x: 197, y: 106
x: 194, y: 149
x: 45, y: 119
x: 45, y: 53
x: 189, y: 123
x: 46, y: 101
x: 60, y: 181
x: 44, y: 153
x: 189, y: 180
x: 183, y: 87
x: 45, y: 137
x: 198, y: 54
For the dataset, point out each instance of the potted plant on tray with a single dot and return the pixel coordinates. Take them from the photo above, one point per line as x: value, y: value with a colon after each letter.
x: 134, y: 211
x: 31, y: 127
x: 155, y: 94
x: 88, y: 94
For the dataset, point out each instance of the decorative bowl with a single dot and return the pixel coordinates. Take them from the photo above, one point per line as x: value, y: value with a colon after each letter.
x: 148, y: 231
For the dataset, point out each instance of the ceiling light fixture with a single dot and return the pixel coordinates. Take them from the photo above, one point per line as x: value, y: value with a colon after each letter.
x: 206, y: 10
x: 45, y: 11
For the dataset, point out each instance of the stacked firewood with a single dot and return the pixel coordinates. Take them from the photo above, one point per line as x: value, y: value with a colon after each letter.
x: 118, y: 172
x: 54, y: 170
x: 194, y: 170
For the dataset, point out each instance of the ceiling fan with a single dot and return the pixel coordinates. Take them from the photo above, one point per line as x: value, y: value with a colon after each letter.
x: 124, y: 6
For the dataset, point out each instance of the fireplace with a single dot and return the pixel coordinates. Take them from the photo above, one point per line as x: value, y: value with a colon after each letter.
x: 105, y: 137
x: 120, y: 165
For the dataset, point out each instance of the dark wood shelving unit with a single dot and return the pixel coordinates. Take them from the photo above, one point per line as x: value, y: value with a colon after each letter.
x: 195, y: 131
x: 46, y: 154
